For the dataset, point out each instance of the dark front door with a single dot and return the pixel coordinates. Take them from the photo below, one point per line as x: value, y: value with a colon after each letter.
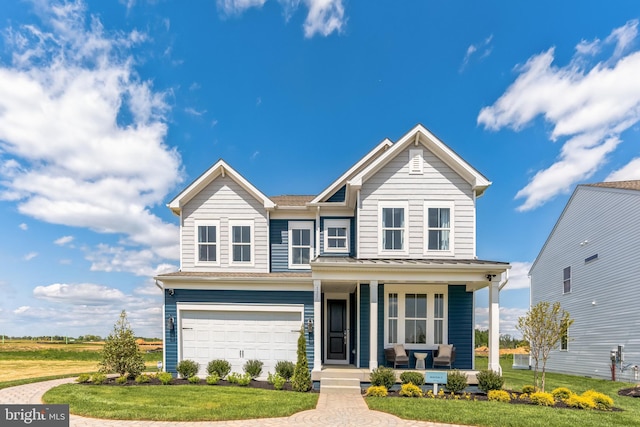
x: 337, y: 333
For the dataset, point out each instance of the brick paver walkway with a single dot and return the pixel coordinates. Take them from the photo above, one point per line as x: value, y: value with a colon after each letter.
x: 335, y: 410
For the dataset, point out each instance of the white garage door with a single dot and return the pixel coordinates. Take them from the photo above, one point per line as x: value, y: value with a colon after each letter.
x: 238, y: 336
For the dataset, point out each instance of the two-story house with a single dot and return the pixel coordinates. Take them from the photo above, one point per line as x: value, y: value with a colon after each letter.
x: 386, y: 254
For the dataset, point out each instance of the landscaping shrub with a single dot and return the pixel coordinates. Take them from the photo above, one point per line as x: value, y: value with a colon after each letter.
x: 377, y: 391
x: 410, y: 390
x: 165, y: 378
x: 600, y: 400
x: 253, y: 368
x: 233, y: 377
x: 542, y: 398
x: 285, y: 369
x: 187, y: 368
x: 561, y: 393
x: 528, y: 389
x: 277, y: 380
x: 383, y: 376
x: 244, y: 380
x: 499, y: 396
x: 83, y: 378
x: 143, y: 379
x: 194, y: 379
x: 456, y: 381
x: 301, y: 380
x: 98, y: 378
x: 121, y: 380
x: 213, y: 379
x: 409, y: 377
x: 489, y: 380
x: 580, y: 402
x: 120, y: 353
x: 220, y: 367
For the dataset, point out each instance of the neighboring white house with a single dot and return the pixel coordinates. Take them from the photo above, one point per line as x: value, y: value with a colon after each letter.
x: 590, y: 263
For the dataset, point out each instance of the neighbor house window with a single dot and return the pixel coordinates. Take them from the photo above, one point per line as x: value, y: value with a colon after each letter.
x: 241, y: 242
x: 300, y: 244
x: 393, y: 226
x: 438, y: 228
x: 564, y: 338
x: 207, y: 242
x: 416, y: 315
x: 566, y: 280
x: 336, y: 235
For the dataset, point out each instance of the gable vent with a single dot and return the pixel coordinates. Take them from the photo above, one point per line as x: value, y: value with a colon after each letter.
x: 591, y: 258
x: 416, y: 163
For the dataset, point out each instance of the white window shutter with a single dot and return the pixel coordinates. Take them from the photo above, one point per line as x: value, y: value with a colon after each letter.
x: 415, y: 162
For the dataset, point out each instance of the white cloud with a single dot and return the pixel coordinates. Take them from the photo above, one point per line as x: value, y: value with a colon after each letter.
x: 589, y: 104
x: 23, y: 227
x: 117, y: 259
x: 30, y: 256
x: 63, y: 240
x: 237, y: 7
x: 194, y: 112
x: 631, y: 171
x: 22, y: 309
x: 483, y: 47
x: 518, y: 276
x: 254, y: 155
x: 508, y: 319
x: 81, y: 136
x: 84, y: 293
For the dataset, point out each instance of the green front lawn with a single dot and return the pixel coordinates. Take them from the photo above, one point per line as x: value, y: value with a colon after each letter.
x: 179, y: 402
x: 510, y: 415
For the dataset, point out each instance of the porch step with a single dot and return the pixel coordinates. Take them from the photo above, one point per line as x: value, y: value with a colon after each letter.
x: 340, y: 385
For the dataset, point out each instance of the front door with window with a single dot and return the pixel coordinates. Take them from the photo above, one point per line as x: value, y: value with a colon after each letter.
x: 336, y: 330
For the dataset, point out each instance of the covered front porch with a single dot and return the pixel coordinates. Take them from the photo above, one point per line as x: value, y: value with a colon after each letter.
x: 362, y: 306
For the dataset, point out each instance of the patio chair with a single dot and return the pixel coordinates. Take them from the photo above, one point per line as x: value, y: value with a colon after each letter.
x: 445, y: 355
x: 397, y: 355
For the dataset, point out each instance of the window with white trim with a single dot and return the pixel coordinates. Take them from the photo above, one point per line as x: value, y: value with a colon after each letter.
x: 564, y: 336
x: 241, y: 242
x: 300, y: 244
x: 416, y: 164
x: 439, y: 228
x: 416, y: 315
x: 207, y: 242
x: 566, y: 280
x: 336, y: 235
x: 393, y: 226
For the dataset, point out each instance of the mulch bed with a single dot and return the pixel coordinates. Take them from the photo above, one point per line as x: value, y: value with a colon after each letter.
x: 180, y: 381
x: 630, y: 392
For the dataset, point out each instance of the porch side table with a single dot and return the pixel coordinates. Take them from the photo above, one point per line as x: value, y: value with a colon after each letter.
x: 420, y: 360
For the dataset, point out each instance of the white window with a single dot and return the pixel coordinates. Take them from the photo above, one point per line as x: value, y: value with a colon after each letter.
x: 336, y: 235
x: 300, y: 244
x: 241, y: 242
x: 416, y: 315
x: 438, y: 228
x: 416, y: 164
x: 566, y: 280
x: 207, y: 242
x: 393, y: 227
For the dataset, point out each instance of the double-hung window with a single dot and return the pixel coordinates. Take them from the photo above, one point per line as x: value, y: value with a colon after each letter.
x: 241, y: 242
x: 336, y: 235
x: 393, y: 227
x: 207, y: 242
x: 415, y: 318
x: 439, y: 228
x: 566, y: 280
x: 300, y: 244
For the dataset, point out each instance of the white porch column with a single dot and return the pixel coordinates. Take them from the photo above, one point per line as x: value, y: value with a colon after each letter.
x: 494, y: 325
x: 317, y: 326
x: 373, y: 322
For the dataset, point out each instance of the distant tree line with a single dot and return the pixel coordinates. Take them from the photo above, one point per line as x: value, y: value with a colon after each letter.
x: 506, y: 340
x: 81, y: 338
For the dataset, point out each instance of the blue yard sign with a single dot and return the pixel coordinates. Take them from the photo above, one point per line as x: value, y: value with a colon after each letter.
x: 435, y: 378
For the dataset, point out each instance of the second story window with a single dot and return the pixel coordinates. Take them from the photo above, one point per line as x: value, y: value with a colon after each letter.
x: 393, y: 226
x: 207, y: 242
x: 438, y: 228
x: 300, y: 244
x: 336, y: 235
x: 566, y: 280
x: 241, y: 242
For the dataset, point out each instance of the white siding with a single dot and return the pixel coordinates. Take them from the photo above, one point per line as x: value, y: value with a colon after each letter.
x: 224, y: 200
x: 438, y: 183
x: 609, y: 220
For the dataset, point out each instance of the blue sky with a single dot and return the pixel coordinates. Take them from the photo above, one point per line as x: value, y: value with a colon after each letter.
x: 108, y: 109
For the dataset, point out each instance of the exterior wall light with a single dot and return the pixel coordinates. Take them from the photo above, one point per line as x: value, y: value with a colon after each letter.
x: 310, y: 325
x: 171, y: 324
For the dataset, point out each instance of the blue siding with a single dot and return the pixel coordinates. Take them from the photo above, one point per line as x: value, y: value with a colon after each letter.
x: 279, y: 242
x: 364, y: 326
x: 461, y: 325
x: 228, y: 296
x: 339, y: 195
x: 352, y: 236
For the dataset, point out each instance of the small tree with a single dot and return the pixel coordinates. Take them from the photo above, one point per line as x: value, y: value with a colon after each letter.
x: 544, y: 326
x: 120, y: 353
x: 301, y: 380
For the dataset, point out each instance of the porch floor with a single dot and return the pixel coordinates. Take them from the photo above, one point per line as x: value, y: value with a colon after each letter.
x: 350, y: 371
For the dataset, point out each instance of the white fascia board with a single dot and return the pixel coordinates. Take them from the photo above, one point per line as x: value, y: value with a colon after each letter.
x: 335, y: 185
x: 218, y: 169
x: 227, y: 283
x: 437, y: 147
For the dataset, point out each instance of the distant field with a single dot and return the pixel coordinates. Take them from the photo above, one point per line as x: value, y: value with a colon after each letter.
x: 20, y: 359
